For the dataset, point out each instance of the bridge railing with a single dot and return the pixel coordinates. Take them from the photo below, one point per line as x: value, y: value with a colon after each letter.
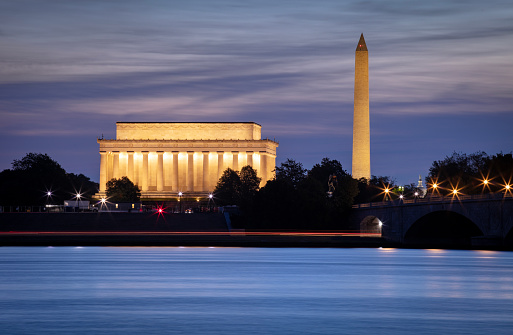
x: 436, y: 199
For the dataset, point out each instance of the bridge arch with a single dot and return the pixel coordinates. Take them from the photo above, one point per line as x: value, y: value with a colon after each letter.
x: 371, y: 224
x: 442, y: 227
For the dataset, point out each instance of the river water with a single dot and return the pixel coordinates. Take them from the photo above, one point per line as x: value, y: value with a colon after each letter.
x: 101, y: 290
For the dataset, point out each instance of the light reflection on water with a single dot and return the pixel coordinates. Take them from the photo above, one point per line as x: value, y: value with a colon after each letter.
x: 254, y: 291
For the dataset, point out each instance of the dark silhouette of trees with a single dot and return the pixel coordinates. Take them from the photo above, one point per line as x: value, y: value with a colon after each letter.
x: 36, y: 179
x: 237, y: 188
x: 122, y: 190
x: 467, y: 173
x: 249, y: 185
x: 291, y: 172
x: 371, y: 190
x: 299, y: 199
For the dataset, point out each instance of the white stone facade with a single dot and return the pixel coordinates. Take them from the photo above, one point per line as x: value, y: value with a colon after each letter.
x: 165, y: 158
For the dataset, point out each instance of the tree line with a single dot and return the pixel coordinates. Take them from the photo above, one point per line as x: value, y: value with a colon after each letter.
x: 297, y: 198
x: 37, y: 179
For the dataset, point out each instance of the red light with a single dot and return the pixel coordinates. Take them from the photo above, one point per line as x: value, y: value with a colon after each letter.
x: 160, y: 210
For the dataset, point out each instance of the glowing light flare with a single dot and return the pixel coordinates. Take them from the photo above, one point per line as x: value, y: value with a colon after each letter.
x: 386, y: 192
x: 161, y: 210
x: 485, y: 182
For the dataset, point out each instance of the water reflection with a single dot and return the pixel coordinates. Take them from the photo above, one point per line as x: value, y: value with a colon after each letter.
x: 243, y: 290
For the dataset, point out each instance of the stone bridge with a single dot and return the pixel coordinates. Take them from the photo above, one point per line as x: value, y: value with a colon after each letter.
x: 459, y: 220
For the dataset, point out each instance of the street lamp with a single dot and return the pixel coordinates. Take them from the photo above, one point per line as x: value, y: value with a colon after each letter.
x: 179, y: 200
x: 78, y: 196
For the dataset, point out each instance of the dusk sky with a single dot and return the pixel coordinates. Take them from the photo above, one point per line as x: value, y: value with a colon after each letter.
x: 441, y: 75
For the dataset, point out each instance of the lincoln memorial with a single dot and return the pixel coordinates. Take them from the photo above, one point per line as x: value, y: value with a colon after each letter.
x: 164, y: 158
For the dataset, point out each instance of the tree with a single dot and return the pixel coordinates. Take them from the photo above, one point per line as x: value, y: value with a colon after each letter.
x: 344, y: 189
x: 122, y: 190
x: 249, y: 185
x: 227, y: 188
x: 373, y: 189
x: 29, y: 180
x: 322, y: 172
x: 237, y: 188
x: 499, y: 169
x: 291, y: 171
x: 82, y: 184
x: 298, y: 199
x: 458, y: 171
x: 467, y: 172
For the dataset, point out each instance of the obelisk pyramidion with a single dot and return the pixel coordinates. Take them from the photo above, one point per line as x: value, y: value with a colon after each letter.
x: 361, y: 127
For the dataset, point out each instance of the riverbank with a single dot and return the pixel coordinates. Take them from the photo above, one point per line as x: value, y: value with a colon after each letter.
x: 152, y: 229
x: 203, y: 229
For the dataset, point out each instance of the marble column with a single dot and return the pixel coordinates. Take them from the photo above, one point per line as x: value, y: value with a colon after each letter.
x: 115, y: 165
x: 144, y: 177
x: 206, y: 179
x: 263, y: 166
x: 235, y: 160
x: 103, y: 171
x: 220, y: 164
x: 190, y: 171
x: 174, y: 179
x: 160, y: 170
x: 250, y: 158
x: 130, y: 167
x: 137, y: 171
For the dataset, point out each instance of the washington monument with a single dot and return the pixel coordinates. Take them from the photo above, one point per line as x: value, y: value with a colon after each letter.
x: 361, y: 128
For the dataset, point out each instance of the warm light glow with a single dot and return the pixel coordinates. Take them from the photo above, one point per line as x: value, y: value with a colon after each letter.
x: 210, y: 196
x: 455, y: 191
x: 435, y: 185
x: 387, y: 190
x: 485, y: 181
x: 180, y: 194
x: 416, y: 194
x: 103, y: 200
x: 508, y: 187
x: 401, y: 196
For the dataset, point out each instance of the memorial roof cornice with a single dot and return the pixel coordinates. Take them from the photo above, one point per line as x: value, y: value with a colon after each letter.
x: 180, y: 141
x: 155, y: 122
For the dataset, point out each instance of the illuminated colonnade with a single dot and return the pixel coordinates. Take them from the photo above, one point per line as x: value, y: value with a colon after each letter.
x: 166, y: 158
